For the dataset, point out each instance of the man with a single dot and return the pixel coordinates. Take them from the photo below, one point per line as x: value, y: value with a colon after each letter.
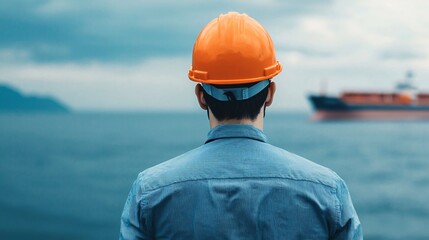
x: 236, y: 185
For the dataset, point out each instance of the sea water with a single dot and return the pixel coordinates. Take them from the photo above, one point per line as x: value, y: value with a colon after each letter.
x: 67, y: 176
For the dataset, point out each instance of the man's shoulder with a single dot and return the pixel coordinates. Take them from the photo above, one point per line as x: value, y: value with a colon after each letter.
x: 171, y: 171
x: 300, y: 168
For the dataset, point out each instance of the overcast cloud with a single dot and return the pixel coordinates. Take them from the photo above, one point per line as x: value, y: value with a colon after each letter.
x: 134, y: 55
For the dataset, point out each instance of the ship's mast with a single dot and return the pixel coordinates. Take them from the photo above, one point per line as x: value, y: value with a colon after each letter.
x: 323, y: 87
x: 407, y: 83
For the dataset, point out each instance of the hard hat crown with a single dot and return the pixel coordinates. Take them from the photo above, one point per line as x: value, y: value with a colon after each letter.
x: 233, y: 49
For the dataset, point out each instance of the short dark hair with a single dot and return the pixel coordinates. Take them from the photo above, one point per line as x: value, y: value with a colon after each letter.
x: 236, y: 109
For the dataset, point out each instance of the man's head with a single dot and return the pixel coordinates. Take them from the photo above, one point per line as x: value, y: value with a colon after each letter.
x: 234, y: 60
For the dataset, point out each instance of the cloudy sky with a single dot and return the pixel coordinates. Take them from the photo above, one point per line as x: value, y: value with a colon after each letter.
x: 134, y: 55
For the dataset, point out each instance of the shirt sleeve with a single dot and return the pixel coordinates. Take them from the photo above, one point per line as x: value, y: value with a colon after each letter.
x: 348, y: 224
x: 131, y: 225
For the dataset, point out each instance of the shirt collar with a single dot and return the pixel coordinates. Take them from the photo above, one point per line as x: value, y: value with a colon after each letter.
x: 236, y: 131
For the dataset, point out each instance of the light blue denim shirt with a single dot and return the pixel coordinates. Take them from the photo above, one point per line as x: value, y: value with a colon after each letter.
x: 237, y: 186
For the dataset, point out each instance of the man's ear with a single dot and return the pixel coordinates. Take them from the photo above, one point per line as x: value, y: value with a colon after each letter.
x: 200, y: 96
x: 270, y: 95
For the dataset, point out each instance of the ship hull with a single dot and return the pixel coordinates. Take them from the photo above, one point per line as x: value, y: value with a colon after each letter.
x: 333, y: 108
x: 370, y: 114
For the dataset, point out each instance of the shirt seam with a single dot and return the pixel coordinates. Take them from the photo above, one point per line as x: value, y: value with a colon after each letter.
x: 212, y: 139
x: 338, y: 206
x: 235, y: 178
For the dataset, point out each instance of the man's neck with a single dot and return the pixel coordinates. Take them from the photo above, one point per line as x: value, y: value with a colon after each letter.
x: 258, y: 122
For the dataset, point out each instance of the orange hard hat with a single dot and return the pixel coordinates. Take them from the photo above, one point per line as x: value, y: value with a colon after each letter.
x: 233, y: 49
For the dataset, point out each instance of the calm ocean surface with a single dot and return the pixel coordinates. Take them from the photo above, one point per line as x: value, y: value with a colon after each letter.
x: 67, y: 176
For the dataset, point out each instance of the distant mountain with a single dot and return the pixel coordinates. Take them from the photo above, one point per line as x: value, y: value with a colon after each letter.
x: 11, y: 100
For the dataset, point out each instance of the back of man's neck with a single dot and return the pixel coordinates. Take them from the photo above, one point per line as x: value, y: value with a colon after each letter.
x: 258, y: 122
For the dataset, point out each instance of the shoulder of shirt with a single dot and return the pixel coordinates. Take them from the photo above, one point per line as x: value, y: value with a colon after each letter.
x: 302, y: 169
x: 307, y: 170
x: 152, y: 178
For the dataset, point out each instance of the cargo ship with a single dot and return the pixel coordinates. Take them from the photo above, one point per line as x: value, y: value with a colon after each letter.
x: 402, y: 104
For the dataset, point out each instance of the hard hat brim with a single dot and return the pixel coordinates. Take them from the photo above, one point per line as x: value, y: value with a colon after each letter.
x: 204, y: 77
